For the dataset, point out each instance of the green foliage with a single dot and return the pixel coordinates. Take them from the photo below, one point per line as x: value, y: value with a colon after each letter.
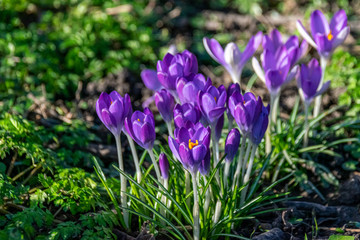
x: 42, y: 44
x: 341, y: 237
x: 26, y: 224
x: 71, y: 189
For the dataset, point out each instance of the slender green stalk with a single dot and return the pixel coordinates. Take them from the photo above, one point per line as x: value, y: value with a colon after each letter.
x: 196, y: 212
x: 123, y: 196
x: 247, y: 175
x: 239, y: 164
x: 274, y: 104
x: 187, y: 186
x: 169, y: 127
x: 317, y: 106
x: 156, y: 166
x: 306, y: 135
x: 230, y: 124
x: 135, y: 158
x: 226, y: 173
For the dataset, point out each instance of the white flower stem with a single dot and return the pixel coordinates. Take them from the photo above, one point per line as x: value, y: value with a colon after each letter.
x: 230, y: 124
x: 245, y: 160
x: 196, y: 212
x: 169, y: 127
x: 226, y: 173
x: 207, y: 199
x: 247, y: 175
x: 123, y: 197
x: 239, y: 164
x: 163, y: 197
x: 135, y: 158
x: 215, y: 147
x: 217, y: 211
x: 156, y: 166
x: 317, y: 106
x: 306, y: 135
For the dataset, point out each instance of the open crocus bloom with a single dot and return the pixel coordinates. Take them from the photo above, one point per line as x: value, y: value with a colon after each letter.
x: 325, y: 38
x: 176, y: 66
x: 273, y: 42
x: 191, y: 146
x: 112, y: 110
x: 309, y: 80
x: 141, y: 127
x: 232, y: 58
x: 186, y: 115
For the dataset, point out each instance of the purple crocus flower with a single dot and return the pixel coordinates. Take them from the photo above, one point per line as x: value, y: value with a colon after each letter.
x: 141, y: 128
x: 176, y: 66
x: 164, y: 166
x: 165, y: 103
x: 260, y: 125
x: 325, y: 38
x: 309, y: 79
x: 232, y: 143
x: 188, y: 88
x: 186, y: 115
x: 112, y: 110
x: 218, y: 127
x: 232, y: 58
x: 150, y: 79
x: 245, y: 110
x: 212, y: 103
x: 191, y: 146
x: 234, y: 87
x: 273, y: 42
x: 204, y: 167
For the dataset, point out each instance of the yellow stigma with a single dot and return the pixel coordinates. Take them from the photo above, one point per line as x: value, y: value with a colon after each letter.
x: 244, y: 102
x: 330, y: 36
x: 215, y: 99
x: 138, y: 120
x: 111, y: 102
x: 191, y: 144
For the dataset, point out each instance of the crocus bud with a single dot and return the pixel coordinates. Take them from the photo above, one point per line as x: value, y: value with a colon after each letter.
x: 112, y: 110
x: 232, y: 144
x: 165, y: 103
x: 260, y: 126
x: 308, y: 81
x: 141, y: 127
x: 164, y: 165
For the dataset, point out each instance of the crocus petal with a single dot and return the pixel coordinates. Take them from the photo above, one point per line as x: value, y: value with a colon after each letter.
x: 318, y: 23
x: 291, y: 74
x: 274, y: 80
x: 232, y: 56
x: 258, y: 70
x: 216, y: 113
x: 215, y: 50
x: 174, y: 146
x: 338, y: 22
x: 207, y: 102
x: 109, y: 122
x: 340, y: 37
x: 186, y: 156
x: 150, y: 79
x: 300, y: 27
x: 250, y: 48
x: 147, y: 135
x: 198, y: 153
x: 323, y: 89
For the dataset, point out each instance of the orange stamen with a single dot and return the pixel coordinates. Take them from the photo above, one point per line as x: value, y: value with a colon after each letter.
x: 330, y: 36
x: 138, y: 120
x: 191, y: 144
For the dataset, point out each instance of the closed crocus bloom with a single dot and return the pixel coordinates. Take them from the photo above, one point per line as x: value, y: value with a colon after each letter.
x: 141, y: 127
x: 308, y: 81
x: 273, y: 42
x: 260, y: 125
x: 164, y: 165
x: 112, y: 110
x: 245, y: 110
x: 212, y: 103
x: 176, y: 66
x: 232, y: 58
x: 234, y: 87
x: 218, y: 127
x: 188, y: 88
x: 232, y: 144
x: 325, y: 38
x: 190, y: 146
x: 165, y: 103
x: 186, y: 115
x: 150, y: 79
